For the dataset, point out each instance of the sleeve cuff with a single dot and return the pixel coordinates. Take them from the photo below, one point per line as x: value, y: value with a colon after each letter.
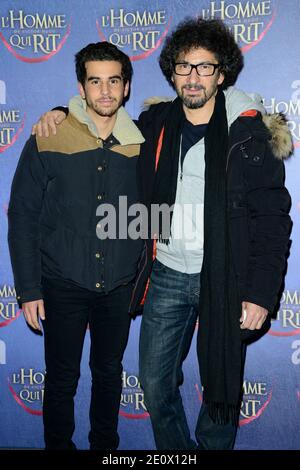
x: 64, y: 109
x: 29, y: 296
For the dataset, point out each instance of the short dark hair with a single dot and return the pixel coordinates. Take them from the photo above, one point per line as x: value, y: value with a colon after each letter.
x: 102, y: 51
x: 211, y: 35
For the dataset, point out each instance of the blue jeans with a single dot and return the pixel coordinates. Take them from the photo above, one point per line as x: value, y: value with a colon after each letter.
x: 168, y: 323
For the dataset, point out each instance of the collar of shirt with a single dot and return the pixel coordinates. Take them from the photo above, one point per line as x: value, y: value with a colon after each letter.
x: 110, y: 141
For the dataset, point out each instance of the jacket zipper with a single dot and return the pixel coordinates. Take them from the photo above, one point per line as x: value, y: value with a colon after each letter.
x: 235, y: 145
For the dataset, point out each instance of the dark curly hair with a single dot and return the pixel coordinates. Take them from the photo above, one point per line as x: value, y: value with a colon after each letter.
x: 211, y: 35
x: 102, y: 51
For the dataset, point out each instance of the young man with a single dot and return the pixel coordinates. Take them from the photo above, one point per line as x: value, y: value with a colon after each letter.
x: 64, y: 274
x: 222, y: 261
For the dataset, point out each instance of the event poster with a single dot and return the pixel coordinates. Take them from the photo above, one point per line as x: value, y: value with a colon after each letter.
x: 38, y: 40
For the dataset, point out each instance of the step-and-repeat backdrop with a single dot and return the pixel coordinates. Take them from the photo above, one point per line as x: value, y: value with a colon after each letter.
x: 38, y: 40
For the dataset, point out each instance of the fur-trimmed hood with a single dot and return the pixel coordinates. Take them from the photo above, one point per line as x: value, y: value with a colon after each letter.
x: 280, y: 136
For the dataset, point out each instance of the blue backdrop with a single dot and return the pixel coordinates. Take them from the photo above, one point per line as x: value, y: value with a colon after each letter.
x: 38, y: 40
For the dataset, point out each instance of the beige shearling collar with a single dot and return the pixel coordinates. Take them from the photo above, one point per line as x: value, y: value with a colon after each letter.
x: 125, y: 130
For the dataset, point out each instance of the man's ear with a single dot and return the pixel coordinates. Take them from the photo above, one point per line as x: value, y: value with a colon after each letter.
x: 81, y: 90
x: 221, y: 78
x: 126, y: 89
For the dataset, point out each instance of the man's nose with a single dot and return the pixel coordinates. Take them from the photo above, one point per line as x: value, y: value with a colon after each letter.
x: 104, y: 87
x: 193, y: 76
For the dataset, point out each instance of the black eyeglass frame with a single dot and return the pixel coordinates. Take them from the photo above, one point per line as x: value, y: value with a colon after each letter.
x: 194, y: 66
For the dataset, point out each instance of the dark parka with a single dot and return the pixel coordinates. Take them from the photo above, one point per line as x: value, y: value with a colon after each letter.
x: 258, y: 202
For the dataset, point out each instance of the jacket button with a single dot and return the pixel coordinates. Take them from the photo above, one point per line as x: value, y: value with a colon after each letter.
x: 98, y: 141
x: 98, y: 285
x: 98, y: 255
x: 99, y: 197
x: 256, y: 158
x: 100, y: 168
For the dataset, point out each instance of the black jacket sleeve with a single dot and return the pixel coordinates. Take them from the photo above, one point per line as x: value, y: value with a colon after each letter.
x: 268, y: 203
x: 64, y: 109
x: 24, y: 212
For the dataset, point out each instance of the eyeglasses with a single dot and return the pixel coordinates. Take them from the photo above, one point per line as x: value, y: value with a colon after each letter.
x: 204, y: 69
